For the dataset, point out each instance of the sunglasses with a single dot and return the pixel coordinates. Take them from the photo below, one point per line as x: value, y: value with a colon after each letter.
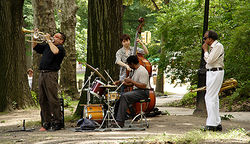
x: 204, y: 38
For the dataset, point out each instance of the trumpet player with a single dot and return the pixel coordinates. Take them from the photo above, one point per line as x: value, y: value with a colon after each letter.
x: 52, y: 57
x: 214, y: 78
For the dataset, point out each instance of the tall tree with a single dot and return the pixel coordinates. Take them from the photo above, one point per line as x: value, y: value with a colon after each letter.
x: 44, y: 20
x: 67, y: 15
x: 159, y: 88
x: 14, y: 89
x: 104, y: 30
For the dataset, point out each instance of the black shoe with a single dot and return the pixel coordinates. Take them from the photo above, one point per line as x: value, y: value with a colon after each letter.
x: 57, y: 126
x: 212, y: 128
x: 46, y: 125
x: 129, y: 116
x: 219, y: 127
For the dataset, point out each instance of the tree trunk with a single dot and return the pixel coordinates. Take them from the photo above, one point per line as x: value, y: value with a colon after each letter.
x: 28, y: 49
x: 67, y: 15
x: 159, y: 88
x: 14, y: 89
x: 44, y: 20
x: 104, y: 30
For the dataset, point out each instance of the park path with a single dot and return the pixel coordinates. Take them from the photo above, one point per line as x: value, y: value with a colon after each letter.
x: 178, y: 122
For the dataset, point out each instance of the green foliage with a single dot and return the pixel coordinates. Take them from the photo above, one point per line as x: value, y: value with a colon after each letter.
x: 28, y: 14
x: 34, y: 97
x: 81, y: 45
x: 82, y: 14
x: 67, y: 99
x: 189, y: 99
x: 81, y: 30
x: 146, y: 3
x: 179, y: 29
x: 237, y: 55
x: 227, y: 117
x: 149, y: 4
x: 14, y: 104
x: 127, y: 2
x: 179, y: 26
x: 130, y: 19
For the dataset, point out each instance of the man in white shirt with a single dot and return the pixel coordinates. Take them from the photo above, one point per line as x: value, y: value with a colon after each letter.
x: 214, y: 78
x: 140, y: 83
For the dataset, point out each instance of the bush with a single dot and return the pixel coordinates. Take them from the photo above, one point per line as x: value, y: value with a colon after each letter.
x: 34, y: 97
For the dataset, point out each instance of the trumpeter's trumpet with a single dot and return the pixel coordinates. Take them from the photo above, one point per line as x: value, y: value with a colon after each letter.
x: 39, y: 37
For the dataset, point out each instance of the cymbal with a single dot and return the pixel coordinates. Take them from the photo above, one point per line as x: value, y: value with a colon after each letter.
x: 96, y: 71
x: 108, y: 86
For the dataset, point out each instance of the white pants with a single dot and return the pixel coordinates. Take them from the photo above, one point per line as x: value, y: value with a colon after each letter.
x: 214, y: 81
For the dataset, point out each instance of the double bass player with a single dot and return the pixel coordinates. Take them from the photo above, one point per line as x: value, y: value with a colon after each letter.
x: 123, y: 53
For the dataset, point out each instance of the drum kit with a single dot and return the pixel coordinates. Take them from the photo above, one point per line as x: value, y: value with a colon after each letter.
x: 100, y: 113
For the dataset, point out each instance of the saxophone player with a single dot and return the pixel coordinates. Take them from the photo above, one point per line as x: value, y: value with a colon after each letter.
x: 214, y: 78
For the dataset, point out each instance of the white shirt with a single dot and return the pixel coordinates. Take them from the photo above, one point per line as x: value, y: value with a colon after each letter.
x: 30, y: 81
x: 215, y: 57
x: 141, y: 76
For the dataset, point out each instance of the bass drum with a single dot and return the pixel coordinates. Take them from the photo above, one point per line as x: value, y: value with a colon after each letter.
x: 94, y: 112
x: 147, y: 107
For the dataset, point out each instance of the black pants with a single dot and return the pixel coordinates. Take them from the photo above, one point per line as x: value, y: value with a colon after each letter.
x: 48, y: 99
x: 128, y: 98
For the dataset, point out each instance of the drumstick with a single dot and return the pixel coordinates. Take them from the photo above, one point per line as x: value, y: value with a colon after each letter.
x: 119, y: 86
x: 109, y: 76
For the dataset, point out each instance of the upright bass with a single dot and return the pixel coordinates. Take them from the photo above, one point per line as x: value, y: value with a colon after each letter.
x: 149, y: 106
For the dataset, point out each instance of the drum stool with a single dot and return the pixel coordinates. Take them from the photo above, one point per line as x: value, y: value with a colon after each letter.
x: 141, y: 115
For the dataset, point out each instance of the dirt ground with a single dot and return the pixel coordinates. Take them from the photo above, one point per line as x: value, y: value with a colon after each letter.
x: 178, y: 122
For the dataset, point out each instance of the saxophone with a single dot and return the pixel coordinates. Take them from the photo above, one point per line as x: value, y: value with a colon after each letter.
x: 227, y: 84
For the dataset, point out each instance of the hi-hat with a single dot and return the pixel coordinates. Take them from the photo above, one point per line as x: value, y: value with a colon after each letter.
x: 96, y: 71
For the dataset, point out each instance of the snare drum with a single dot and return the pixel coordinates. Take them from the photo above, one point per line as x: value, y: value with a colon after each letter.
x: 94, y: 112
x: 113, y: 96
x: 96, y: 89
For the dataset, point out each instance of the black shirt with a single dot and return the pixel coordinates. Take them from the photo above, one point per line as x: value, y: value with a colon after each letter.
x: 49, y: 60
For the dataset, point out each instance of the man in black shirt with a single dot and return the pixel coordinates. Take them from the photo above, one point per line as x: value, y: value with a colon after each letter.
x: 52, y: 56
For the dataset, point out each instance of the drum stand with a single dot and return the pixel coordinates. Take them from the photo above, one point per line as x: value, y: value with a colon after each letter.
x: 88, y: 91
x: 108, y: 114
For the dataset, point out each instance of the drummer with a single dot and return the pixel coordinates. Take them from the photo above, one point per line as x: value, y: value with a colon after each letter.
x: 123, y: 53
x: 140, y: 83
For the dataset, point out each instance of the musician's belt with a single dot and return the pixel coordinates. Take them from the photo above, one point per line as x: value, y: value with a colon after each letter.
x: 215, y: 69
